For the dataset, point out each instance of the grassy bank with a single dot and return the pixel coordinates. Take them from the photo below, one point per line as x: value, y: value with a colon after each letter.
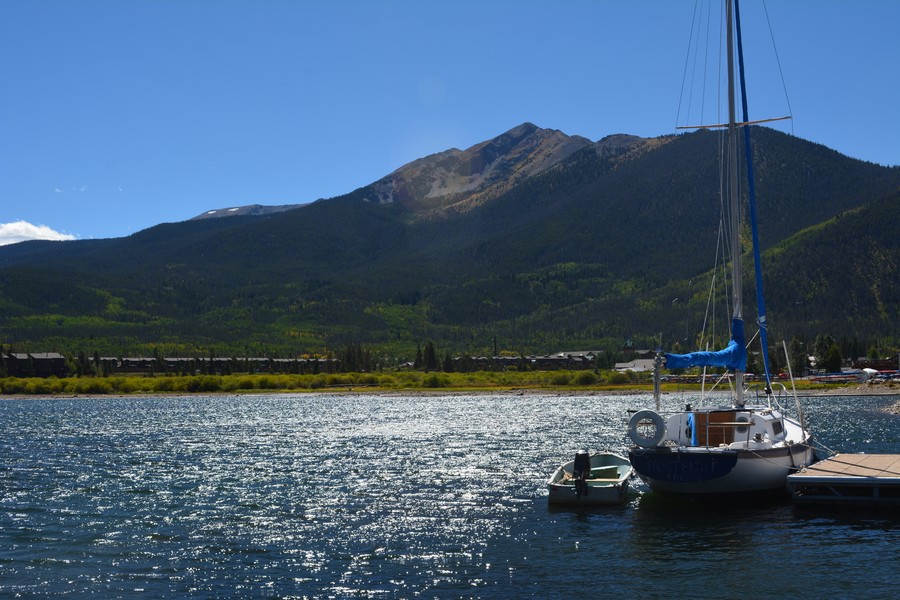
x: 396, y: 381
x: 376, y: 382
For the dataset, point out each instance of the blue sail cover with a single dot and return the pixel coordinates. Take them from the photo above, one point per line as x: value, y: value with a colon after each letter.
x: 734, y: 356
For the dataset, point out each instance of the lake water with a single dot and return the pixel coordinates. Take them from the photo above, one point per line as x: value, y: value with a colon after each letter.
x: 320, y: 496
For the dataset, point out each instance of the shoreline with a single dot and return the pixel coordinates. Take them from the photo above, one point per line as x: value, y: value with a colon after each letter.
x: 847, y: 391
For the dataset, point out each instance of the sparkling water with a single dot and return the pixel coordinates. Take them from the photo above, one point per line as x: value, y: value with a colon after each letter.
x: 330, y: 496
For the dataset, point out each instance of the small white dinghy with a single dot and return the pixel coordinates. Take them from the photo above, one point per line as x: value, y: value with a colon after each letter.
x: 605, y: 483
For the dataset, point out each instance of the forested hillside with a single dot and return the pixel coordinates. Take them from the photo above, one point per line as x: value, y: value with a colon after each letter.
x: 588, y: 245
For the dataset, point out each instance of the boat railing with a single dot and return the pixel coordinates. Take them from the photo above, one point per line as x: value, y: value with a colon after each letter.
x: 777, y: 395
x: 772, y: 396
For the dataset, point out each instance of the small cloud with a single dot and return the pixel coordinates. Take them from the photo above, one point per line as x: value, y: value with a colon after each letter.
x: 22, y: 231
x: 59, y: 190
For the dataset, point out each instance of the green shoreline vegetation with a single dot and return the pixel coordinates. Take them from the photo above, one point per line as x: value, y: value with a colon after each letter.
x: 399, y: 381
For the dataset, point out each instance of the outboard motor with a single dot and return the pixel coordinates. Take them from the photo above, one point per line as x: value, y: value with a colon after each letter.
x: 581, y: 469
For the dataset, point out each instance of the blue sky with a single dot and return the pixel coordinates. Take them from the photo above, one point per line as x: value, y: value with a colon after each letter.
x: 119, y: 115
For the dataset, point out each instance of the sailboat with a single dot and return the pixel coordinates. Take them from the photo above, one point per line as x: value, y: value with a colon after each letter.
x: 736, y: 446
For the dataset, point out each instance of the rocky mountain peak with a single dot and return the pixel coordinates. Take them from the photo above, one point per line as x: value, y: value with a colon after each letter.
x: 458, y: 180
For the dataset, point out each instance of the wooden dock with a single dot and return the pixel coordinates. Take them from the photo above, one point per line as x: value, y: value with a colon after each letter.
x: 849, y: 479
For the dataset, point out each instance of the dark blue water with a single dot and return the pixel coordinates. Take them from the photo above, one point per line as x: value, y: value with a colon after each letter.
x: 395, y: 497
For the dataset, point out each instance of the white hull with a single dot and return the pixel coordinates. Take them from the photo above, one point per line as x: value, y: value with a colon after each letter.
x: 681, y: 470
x: 608, y: 484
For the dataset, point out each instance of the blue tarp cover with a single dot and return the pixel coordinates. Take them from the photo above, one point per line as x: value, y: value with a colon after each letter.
x: 733, y: 356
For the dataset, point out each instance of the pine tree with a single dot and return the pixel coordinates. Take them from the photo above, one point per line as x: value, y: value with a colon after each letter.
x: 418, y: 362
x: 821, y: 348
x: 832, y: 362
x: 430, y: 358
x: 798, y: 357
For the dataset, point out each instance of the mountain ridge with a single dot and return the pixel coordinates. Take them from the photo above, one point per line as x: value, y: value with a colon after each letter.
x: 541, y: 239
x: 453, y: 179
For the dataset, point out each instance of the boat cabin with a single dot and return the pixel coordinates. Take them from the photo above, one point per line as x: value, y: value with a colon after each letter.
x: 735, y: 428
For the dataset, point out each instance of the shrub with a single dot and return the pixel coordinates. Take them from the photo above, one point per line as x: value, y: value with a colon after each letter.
x: 435, y: 381
x: 560, y: 379
x: 210, y: 383
x: 586, y: 378
x: 282, y: 382
x: 12, y: 385
x: 203, y: 383
x: 163, y: 384
x: 37, y: 386
x: 122, y: 385
x: 410, y: 379
x: 617, y: 377
x: 92, y: 386
x: 333, y: 380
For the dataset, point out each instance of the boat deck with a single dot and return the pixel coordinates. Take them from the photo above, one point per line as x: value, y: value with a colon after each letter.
x: 849, y: 479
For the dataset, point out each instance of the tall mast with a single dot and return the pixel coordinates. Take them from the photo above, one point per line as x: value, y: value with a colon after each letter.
x: 734, y: 356
x: 751, y: 209
x: 733, y: 197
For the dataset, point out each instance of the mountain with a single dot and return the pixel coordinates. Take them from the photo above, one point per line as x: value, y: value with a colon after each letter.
x: 534, y: 238
x: 456, y: 180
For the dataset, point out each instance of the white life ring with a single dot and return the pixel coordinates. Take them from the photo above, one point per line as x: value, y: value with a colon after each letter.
x: 659, y: 428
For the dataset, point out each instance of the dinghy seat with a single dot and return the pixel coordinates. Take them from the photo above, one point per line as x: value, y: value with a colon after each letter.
x: 610, y: 472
